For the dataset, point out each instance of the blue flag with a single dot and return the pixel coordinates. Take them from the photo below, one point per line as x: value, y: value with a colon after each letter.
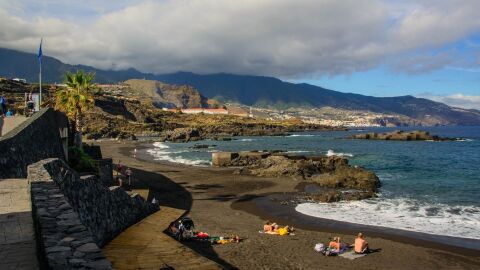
x: 40, y: 51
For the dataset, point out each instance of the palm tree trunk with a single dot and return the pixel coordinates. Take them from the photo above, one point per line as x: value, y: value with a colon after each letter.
x: 78, y: 131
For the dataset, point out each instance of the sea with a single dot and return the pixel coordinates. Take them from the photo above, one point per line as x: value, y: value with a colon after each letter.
x: 428, y: 187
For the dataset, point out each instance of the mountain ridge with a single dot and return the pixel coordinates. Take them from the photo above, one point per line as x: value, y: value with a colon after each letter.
x: 261, y: 91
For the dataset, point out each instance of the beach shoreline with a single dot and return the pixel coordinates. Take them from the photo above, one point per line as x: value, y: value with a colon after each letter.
x: 216, y: 193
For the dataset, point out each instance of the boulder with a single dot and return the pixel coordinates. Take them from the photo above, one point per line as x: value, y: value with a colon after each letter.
x: 348, y: 177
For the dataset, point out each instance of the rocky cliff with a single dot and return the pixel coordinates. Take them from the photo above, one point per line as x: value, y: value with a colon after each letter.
x: 168, y: 96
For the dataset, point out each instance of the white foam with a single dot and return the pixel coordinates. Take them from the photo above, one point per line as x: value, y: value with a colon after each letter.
x: 162, y: 152
x: 298, y: 151
x: 301, y: 135
x: 331, y: 153
x: 246, y: 140
x: 464, y: 140
x: 160, y: 145
x: 406, y: 214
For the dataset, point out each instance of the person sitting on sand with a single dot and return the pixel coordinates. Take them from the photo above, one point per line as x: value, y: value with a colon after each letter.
x: 270, y: 227
x: 335, y: 244
x: 361, y: 246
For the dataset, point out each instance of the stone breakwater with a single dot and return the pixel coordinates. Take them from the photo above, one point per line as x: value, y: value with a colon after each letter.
x: 75, y: 215
x: 400, y: 135
x: 337, y: 179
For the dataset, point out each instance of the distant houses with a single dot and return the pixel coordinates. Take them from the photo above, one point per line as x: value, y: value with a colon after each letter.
x: 198, y: 110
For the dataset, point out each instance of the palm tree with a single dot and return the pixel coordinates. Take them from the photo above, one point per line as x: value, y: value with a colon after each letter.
x: 75, y: 99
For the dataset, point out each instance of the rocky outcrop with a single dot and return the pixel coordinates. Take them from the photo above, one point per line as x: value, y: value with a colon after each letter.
x: 182, y: 135
x: 400, y: 135
x: 340, y: 180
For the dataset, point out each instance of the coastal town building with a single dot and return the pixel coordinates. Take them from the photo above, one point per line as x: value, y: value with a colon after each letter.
x: 198, y: 110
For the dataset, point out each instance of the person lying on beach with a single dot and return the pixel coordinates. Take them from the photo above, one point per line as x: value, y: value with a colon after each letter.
x: 225, y: 240
x: 270, y: 227
x: 274, y: 228
x: 361, y: 246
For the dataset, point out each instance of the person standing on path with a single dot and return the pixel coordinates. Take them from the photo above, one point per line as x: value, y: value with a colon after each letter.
x: 128, y: 173
x: 3, y: 105
x: 119, y: 168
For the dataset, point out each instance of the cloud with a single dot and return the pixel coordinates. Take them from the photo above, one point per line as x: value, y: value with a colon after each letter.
x: 290, y: 39
x: 456, y: 100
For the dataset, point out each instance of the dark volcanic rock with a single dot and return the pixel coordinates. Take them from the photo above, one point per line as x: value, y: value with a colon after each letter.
x: 400, y: 135
x: 182, y: 135
x: 340, y: 180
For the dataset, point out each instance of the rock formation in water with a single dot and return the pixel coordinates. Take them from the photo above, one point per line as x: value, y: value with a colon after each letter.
x: 400, y: 135
x: 338, y: 179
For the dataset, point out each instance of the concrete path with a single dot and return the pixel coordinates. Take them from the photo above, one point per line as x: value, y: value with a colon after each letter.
x: 145, y: 246
x: 17, y: 237
x: 9, y: 123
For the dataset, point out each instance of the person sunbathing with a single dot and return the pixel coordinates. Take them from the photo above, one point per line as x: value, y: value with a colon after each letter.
x: 335, y: 244
x: 270, y: 227
x: 361, y: 246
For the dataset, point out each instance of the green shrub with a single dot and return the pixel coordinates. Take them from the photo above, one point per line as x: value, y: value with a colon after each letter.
x: 80, y: 161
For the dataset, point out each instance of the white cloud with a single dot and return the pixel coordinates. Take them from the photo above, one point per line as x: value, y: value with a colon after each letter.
x: 269, y: 37
x: 456, y: 100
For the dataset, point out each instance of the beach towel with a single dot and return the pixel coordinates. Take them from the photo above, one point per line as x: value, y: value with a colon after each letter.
x: 351, y: 255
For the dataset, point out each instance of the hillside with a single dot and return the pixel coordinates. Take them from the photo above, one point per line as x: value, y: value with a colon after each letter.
x: 120, y: 112
x: 254, y: 90
x: 166, y: 95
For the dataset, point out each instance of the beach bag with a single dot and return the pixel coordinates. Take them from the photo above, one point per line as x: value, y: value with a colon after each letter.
x: 319, y: 247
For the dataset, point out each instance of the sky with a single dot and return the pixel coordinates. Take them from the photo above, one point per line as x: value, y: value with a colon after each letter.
x: 425, y: 48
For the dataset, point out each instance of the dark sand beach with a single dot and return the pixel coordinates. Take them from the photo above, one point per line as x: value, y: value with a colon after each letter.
x: 222, y: 203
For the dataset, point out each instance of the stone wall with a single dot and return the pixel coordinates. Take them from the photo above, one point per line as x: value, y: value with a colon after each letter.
x: 104, y: 211
x: 37, y: 138
x: 63, y: 242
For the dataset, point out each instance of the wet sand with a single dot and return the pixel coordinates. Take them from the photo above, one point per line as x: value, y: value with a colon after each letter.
x: 223, y: 204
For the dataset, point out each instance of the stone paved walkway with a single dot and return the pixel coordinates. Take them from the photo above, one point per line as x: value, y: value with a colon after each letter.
x: 145, y: 246
x: 17, y: 237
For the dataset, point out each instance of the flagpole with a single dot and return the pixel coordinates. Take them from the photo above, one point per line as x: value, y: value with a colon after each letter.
x: 40, y: 54
x: 40, y: 83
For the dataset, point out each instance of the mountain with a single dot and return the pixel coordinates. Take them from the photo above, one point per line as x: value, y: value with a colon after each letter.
x: 25, y: 65
x: 251, y: 90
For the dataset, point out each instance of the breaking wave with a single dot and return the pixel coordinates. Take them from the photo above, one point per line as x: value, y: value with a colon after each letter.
x: 163, y: 152
x: 402, y: 213
x: 331, y: 153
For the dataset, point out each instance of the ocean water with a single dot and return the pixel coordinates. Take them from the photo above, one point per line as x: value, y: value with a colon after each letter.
x: 429, y: 187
